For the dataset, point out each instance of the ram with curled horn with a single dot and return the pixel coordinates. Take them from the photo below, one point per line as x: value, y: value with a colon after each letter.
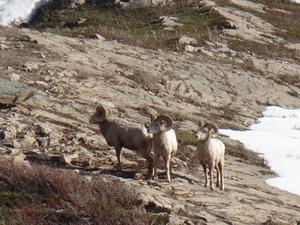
x: 164, y: 142
x: 120, y: 133
x: 211, y: 154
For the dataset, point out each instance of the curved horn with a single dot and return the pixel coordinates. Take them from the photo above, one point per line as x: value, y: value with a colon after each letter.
x: 102, y: 112
x: 212, y: 126
x: 168, y: 122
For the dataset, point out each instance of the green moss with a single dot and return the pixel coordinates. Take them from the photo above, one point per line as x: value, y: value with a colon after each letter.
x: 8, y: 201
x: 9, y: 198
x: 5, y: 215
x: 186, y: 138
x: 238, y: 150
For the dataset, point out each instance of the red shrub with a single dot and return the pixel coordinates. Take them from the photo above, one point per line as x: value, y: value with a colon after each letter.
x: 64, y: 197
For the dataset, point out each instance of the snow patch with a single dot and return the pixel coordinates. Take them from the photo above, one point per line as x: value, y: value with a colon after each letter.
x: 277, y: 137
x: 18, y: 10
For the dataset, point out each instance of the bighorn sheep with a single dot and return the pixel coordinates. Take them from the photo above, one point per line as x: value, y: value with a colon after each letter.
x: 210, y: 152
x: 164, y: 142
x: 120, y: 133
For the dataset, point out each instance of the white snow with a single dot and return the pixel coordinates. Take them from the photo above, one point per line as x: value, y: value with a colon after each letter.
x: 277, y: 137
x: 17, y: 10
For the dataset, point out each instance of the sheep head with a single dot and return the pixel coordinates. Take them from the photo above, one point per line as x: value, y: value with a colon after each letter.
x: 160, y: 124
x: 205, y: 128
x: 145, y: 131
x: 100, y: 115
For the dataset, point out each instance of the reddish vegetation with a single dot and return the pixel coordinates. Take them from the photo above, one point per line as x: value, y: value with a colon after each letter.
x: 43, y: 195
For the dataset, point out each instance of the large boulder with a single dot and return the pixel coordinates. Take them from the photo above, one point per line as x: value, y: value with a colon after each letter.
x: 12, y: 92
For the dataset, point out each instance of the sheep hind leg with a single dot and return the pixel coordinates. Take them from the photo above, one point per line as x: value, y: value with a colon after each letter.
x: 218, y: 176
x: 205, y: 174
x: 118, y: 149
x: 221, y: 168
x: 211, y: 175
x: 149, y: 158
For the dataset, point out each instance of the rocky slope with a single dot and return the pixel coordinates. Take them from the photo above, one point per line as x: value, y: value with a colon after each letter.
x: 70, y: 76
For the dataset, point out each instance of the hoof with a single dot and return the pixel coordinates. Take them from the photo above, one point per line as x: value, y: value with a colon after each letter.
x: 120, y: 168
x: 149, y: 177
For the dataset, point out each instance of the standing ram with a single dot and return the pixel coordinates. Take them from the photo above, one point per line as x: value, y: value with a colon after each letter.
x: 120, y: 133
x: 210, y: 152
x: 164, y: 142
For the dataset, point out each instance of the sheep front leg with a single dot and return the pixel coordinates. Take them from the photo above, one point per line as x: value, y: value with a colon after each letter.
x: 118, y: 149
x: 167, y: 159
x: 155, y: 161
x: 205, y: 174
x: 147, y: 155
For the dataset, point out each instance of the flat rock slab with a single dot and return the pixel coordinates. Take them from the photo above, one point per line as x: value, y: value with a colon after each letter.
x: 12, y: 92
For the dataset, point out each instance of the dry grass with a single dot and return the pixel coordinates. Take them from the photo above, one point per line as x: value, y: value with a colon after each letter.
x: 291, y: 80
x: 288, y: 24
x: 266, y: 51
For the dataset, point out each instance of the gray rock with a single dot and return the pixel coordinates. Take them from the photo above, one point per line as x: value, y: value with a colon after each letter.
x: 98, y: 37
x: 15, y: 77
x: 185, y: 40
x: 3, y: 47
x: 20, y: 160
x: 41, y: 84
x: 190, y: 48
x: 67, y: 158
x: 170, y: 22
x: 79, y: 2
x: 12, y: 92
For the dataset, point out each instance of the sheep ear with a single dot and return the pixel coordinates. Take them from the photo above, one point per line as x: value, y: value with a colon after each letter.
x: 201, y: 123
x: 153, y: 116
x: 146, y: 125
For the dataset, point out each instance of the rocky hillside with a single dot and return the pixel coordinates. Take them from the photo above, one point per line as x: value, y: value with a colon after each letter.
x: 227, y: 75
